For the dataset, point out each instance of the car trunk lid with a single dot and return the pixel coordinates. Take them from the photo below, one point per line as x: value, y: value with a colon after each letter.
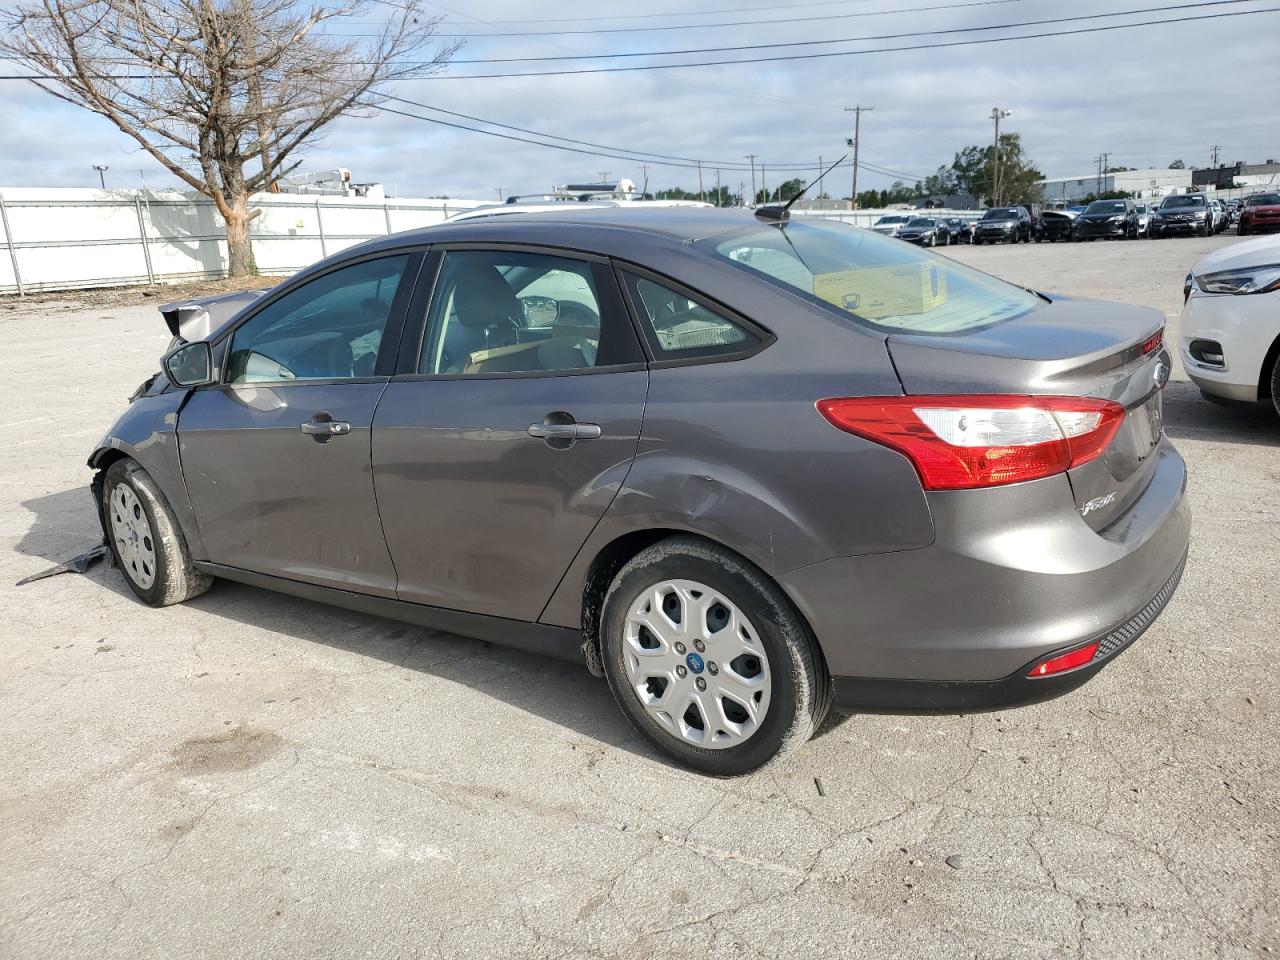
x: 1065, y: 347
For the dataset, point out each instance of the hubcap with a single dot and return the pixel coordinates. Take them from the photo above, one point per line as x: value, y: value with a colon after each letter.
x: 715, y: 695
x: 132, y: 533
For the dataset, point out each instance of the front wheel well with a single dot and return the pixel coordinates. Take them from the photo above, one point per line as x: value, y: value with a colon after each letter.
x: 1268, y: 365
x: 614, y: 556
x: 101, y: 463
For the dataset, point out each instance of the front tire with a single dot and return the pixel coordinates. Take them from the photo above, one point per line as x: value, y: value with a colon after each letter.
x: 145, y: 539
x: 708, y: 659
x: 1275, y: 385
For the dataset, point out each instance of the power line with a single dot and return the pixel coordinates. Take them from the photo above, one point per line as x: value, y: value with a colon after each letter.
x: 615, y: 153
x: 856, y: 53
x: 717, y: 24
x: 738, y: 48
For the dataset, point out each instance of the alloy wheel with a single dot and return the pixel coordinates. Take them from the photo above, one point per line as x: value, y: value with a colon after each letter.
x: 134, y: 542
x: 696, y: 664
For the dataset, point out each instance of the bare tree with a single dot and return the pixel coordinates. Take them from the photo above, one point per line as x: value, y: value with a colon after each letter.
x: 223, y: 93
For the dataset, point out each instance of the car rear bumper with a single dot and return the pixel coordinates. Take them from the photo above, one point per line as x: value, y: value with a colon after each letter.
x: 1017, y: 688
x: 1014, y: 575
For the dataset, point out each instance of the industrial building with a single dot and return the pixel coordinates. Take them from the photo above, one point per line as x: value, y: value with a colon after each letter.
x: 1146, y: 184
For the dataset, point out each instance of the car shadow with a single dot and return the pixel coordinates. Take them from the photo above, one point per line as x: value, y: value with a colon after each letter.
x: 1189, y: 416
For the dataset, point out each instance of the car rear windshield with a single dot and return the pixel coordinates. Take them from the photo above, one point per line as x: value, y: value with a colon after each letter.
x: 1105, y: 206
x: 1264, y: 200
x: 882, y: 282
x: 1183, y: 202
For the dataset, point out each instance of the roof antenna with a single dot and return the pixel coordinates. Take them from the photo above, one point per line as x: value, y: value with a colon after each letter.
x: 780, y: 214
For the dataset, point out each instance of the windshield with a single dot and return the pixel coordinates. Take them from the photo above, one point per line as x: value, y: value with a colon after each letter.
x: 1264, y: 200
x: 1001, y: 213
x: 888, y: 220
x: 920, y: 222
x: 878, y: 280
x: 1105, y: 206
x: 1182, y: 202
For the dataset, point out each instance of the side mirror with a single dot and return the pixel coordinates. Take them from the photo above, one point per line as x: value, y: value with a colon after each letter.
x: 540, y: 311
x: 191, y: 365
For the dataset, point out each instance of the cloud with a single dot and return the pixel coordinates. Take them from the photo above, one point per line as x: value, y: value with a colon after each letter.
x: 1145, y: 96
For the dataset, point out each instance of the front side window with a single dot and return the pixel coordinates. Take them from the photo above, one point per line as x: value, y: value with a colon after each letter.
x: 862, y: 274
x: 496, y: 312
x: 327, y: 329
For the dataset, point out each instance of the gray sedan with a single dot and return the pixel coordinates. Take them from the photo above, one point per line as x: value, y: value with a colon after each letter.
x: 743, y: 467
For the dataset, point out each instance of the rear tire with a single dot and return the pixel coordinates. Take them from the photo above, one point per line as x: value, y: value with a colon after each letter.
x: 145, y: 538
x: 684, y: 612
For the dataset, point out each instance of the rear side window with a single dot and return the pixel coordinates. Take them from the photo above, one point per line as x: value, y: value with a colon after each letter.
x: 677, y: 326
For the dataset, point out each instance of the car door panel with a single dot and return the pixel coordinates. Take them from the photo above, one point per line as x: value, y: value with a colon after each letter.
x: 273, y: 499
x: 484, y: 504
x: 276, y: 457
x: 479, y: 515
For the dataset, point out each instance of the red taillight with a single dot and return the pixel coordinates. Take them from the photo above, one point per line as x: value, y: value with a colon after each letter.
x: 1064, y: 661
x: 964, y: 441
x: 1153, y: 342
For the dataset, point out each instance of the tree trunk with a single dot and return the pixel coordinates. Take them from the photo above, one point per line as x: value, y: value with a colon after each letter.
x: 240, y: 261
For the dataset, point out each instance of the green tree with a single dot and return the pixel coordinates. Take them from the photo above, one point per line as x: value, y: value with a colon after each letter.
x: 1177, y: 165
x: 972, y: 168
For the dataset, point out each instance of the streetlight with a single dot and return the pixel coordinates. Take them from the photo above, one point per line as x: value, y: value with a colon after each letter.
x: 101, y: 168
x: 997, y: 114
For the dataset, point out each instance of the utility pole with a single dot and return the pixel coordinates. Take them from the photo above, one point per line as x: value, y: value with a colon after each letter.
x: 644, y: 188
x: 1213, y: 155
x: 997, y: 114
x: 701, y: 196
x: 764, y: 184
x: 717, y: 188
x: 820, y: 169
x: 752, y: 158
x: 604, y: 176
x: 101, y: 168
x: 1102, y: 170
x: 857, y: 112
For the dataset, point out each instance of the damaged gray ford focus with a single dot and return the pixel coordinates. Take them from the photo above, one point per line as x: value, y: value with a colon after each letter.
x: 743, y: 467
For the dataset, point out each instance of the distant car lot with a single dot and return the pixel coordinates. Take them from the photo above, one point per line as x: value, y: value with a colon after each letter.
x: 252, y: 773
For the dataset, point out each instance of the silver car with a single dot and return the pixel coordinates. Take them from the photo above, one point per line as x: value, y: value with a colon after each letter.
x: 742, y: 467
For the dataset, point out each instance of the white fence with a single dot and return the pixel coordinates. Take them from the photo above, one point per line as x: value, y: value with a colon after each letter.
x: 57, y: 239
x: 61, y: 239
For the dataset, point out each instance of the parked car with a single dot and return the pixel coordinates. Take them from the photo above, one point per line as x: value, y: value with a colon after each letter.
x: 959, y: 230
x: 584, y: 428
x: 1260, y: 213
x: 1145, y: 213
x: 1231, y: 322
x: 1220, y: 217
x: 1108, y: 219
x: 1182, y: 213
x: 926, y: 231
x: 1057, y: 225
x: 1011, y: 224
x: 888, y: 226
x: 1034, y: 213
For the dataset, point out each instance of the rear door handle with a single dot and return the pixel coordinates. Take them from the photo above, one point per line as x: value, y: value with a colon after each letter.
x: 322, y: 428
x: 565, y: 431
x: 560, y: 430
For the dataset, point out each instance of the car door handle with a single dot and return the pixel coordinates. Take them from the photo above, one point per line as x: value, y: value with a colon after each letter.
x: 564, y: 427
x: 323, y: 428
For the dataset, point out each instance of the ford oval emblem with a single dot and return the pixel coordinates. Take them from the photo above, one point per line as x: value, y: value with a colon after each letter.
x: 1161, y: 374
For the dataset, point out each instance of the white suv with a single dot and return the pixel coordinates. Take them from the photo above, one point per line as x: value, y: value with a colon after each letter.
x: 1231, y: 322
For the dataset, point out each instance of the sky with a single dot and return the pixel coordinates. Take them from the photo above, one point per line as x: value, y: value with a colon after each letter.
x: 1145, y: 96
